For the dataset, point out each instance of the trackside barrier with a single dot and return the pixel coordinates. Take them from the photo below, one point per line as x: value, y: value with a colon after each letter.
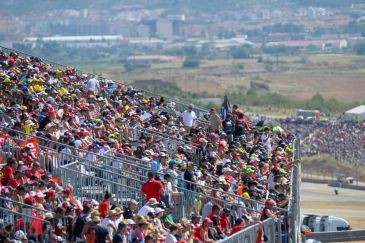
x: 247, y: 235
x: 181, y: 106
x: 294, y: 204
x: 34, y: 225
x: 337, y: 236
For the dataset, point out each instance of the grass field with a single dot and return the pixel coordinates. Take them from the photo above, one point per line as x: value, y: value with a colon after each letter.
x: 339, y: 76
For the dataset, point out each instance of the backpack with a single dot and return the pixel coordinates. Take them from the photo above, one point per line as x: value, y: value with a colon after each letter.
x: 229, y: 127
x: 79, y: 225
x: 240, y: 128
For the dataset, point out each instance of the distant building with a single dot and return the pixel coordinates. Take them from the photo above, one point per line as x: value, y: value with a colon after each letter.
x: 324, y: 44
x: 164, y: 29
x: 150, y: 59
x: 356, y: 114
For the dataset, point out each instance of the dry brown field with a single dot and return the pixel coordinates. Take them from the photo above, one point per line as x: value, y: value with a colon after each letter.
x: 339, y: 76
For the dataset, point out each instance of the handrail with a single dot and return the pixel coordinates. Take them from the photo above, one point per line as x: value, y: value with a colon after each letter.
x: 138, y: 181
x: 24, y: 215
x: 24, y: 205
x: 208, y: 188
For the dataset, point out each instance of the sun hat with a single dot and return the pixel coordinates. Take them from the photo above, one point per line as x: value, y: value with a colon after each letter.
x: 152, y: 201
x: 20, y: 235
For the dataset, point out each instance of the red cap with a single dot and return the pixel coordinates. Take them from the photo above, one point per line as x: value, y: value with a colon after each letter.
x: 29, y: 200
x: 207, y: 220
x: 51, y: 193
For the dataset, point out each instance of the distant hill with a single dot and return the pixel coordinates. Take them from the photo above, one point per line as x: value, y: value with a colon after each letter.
x: 20, y: 7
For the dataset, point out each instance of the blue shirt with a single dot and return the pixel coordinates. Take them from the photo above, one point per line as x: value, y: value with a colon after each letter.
x: 156, y: 165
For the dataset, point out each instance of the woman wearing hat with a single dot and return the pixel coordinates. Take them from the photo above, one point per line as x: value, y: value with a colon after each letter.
x: 142, y: 230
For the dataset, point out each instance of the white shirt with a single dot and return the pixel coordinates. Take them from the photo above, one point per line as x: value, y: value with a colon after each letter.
x: 207, y: 209
x: 145, y: 210
x: 92, y: 85
x: 170, y: 238
x: 188, y: 118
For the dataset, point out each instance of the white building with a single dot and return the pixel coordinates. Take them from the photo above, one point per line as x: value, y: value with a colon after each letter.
x: 355, y: 114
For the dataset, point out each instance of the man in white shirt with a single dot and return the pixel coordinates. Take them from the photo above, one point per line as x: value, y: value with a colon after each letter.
x: 189, y: 117
x: 149, y: 207
x: 92, y: 85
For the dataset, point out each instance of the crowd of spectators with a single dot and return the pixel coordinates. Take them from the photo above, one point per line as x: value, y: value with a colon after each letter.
x: 343, y: 140
x: 247, y: 164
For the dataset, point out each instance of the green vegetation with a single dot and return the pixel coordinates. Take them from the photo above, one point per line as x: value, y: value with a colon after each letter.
x: 360, y: 48
x: 241, y: 52
x: 324, y: 165
x: 252, y: 98
x: 191, y: 62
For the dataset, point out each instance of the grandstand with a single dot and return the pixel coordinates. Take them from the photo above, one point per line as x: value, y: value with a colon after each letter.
x: 72, y: 142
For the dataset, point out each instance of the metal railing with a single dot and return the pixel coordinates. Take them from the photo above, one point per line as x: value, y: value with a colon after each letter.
x: 32, y: 225
x: 91, y: 181
x: 51, y: 159
x: 247, y: 235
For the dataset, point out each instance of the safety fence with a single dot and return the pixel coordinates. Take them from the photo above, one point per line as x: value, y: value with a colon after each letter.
x: 270, y: 229
x: 27, y: 218
x: 53, y: 155
x: 294, y: 215
x: 287, y: 227
x: 91, y: 182
x: 106, y: 167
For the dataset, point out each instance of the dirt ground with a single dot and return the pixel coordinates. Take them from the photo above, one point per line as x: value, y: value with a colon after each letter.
x: 320, y: 199
x: 339, y: 76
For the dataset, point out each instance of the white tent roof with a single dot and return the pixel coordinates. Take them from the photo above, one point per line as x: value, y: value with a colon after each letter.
x: 357, y: 110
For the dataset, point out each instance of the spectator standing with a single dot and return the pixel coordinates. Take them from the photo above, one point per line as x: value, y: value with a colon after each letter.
x: 104, y: 206
x: 151, y: 188
x: 92, y: 86
x: 189, y: 118
x: 215, y: 122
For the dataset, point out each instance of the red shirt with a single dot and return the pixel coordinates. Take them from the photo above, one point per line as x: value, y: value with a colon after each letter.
x: 212, y: 216
x: 8, y: 173
x: 37, y: 173
x: 152, y: 189
x: 196, y: 235
x: 235, y: 229
x: 224, y: 222
x: 104, y: 208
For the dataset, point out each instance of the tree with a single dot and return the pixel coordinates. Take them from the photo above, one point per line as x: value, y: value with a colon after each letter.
x: 360, y: 48
x: 191, y: 62
x: 241, y: 52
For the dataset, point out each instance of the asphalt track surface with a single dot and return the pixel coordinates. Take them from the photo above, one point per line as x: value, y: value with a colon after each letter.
x: 320, y: 199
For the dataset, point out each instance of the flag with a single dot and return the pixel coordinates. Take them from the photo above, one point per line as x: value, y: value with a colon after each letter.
x: 31, y: 143
x: 226, y: 108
